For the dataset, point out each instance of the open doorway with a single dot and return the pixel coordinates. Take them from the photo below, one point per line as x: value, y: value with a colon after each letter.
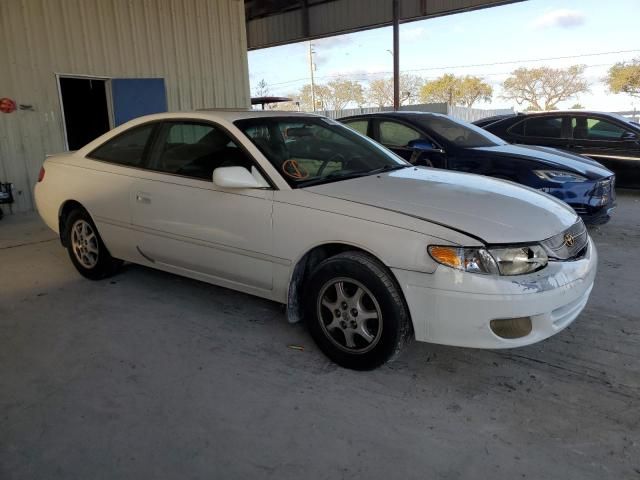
x: 85, y: 109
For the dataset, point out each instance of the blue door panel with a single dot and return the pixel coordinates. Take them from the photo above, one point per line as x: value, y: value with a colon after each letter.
x: 135, y: 97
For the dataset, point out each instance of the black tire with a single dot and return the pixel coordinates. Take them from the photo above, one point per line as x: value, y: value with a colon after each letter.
x: 381, y: 338
x: 88, y: 253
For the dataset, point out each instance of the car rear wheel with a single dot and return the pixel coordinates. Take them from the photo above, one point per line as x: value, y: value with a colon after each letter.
x: 86, y: 249
x: 355, y: 311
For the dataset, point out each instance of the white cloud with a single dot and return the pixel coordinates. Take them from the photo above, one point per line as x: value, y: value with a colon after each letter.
x: 413, y: 34
x: 563, y: 18
x: 332, y: 42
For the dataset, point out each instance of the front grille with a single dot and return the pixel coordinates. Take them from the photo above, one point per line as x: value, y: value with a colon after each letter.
x: 569, y: 244
x: 580, y: 210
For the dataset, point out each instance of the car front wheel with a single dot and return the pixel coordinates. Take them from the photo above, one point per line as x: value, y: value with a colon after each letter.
x: 355, y: 311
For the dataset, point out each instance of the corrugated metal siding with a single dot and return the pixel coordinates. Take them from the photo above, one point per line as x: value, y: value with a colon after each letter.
x: 198, y: 46
x: 344, y: 16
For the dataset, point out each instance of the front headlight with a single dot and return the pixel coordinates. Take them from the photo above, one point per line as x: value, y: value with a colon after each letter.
x: 559, y: 176
x: 519, y: 260
x: 497, y: 261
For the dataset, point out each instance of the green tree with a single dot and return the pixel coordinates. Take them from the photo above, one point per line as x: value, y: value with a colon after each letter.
x: 454, y: 90
x: 380, y: 91
x: 342, y: 92
x: 625, y: 78
x: 335, y: 95
x: 544, y: 87
x: 322, y: 94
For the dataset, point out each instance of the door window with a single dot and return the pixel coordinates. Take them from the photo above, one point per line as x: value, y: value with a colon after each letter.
x: 195, y: 150
x: 359, y: 126
x: 595, y: 129
x: 127, y: 148
x: 543, y: 127
x: 396, y: 134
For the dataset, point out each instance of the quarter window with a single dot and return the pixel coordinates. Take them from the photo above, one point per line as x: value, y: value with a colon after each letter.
x: 195, y: 150
x: 397, y: 134
x: 127, y: 148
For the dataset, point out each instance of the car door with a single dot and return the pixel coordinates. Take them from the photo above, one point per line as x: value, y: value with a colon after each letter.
x: 545, y: 130
x: 189, y: 224
x: 108, y: 177
x: 613, y: 144
x: 396, y: 136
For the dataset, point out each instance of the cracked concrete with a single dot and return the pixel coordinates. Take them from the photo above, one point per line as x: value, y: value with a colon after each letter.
x: 149, y: 375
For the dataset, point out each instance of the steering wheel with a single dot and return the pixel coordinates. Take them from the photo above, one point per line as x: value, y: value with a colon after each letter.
x: 338, y: 157
x: 293, y: 169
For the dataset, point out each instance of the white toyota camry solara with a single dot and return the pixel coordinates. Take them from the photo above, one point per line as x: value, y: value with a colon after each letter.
x: 369, y: 250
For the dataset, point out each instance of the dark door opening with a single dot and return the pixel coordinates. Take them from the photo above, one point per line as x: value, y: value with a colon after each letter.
x: 86, y: 111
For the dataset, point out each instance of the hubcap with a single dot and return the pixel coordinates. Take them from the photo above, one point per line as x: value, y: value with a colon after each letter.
x: 349, y: 315
x: 84, y: 243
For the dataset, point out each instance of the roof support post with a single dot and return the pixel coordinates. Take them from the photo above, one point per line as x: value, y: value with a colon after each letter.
x: 396, y: 55
x: 305, y: 18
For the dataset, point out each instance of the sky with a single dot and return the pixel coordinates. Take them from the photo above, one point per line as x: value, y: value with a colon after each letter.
x: 489, y: 43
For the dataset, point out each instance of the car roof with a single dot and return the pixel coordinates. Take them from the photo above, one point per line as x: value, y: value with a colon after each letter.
x: 230, y: 115
x: 572, y: 112
x: 397, y: 114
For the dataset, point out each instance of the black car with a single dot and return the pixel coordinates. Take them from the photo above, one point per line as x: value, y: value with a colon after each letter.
x: 608, y: 138
x: 439, y: 141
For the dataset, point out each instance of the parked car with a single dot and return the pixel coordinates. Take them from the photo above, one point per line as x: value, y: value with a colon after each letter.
x: 608, y: 138
x: 368, y: 249
x: 440, y: 141
x: 489, y: 120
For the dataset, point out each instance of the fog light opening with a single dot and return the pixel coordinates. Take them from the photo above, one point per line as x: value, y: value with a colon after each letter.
x: 511, y: 327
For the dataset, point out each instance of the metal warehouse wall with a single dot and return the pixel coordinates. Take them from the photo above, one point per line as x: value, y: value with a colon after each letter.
x: 198, y: 46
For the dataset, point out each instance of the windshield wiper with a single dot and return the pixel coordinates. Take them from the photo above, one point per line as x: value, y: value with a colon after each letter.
x: 338, y: 175
x: 386, y: 168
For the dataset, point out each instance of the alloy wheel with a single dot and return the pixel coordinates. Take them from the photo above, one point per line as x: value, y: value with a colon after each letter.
x: 349, y: 315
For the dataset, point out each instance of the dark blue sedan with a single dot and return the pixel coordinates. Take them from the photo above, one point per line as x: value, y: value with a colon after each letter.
x: 440, y: 141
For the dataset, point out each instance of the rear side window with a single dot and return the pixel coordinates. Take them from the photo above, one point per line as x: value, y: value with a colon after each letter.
x: 359, y: 126
x: 127, y: 148
x: 544, y: 127
x: 596, y: 129
x: 195, y: 150
x: 397, y: 134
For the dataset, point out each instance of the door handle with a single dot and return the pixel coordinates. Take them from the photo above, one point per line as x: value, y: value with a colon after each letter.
x: 143, y: 198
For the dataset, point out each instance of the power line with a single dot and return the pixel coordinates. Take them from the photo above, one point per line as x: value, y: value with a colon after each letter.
x: 366, y: 74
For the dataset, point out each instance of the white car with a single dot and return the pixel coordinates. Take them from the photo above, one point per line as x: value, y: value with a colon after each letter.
x: 369, y: 250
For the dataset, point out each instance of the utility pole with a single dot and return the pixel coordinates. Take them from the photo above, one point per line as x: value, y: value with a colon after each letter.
x: 311, y: 68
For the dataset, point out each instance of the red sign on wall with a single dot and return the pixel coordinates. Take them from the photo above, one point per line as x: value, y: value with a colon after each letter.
x: 7, y: 105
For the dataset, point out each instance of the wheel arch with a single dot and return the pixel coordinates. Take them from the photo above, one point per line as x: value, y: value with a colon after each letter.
x: 309, y: 260
x: 65, y: 209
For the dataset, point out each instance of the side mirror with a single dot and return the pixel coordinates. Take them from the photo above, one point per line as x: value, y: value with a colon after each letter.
x: 630, y: 137
x: 423, y: 146
x: 234, y: 177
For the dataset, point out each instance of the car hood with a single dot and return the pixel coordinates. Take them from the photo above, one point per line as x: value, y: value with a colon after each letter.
x: 552, y: 157
x: 494, y: 211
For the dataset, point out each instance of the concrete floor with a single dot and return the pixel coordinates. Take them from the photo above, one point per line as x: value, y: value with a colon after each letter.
x: 149, y: 375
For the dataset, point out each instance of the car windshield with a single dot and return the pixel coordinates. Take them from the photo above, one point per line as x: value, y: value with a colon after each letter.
x: 461, y: 134
x: 313, y: 150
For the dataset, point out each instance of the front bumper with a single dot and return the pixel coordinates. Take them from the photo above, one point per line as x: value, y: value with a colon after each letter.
x: 451, y: 307
x: 593, y: 200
